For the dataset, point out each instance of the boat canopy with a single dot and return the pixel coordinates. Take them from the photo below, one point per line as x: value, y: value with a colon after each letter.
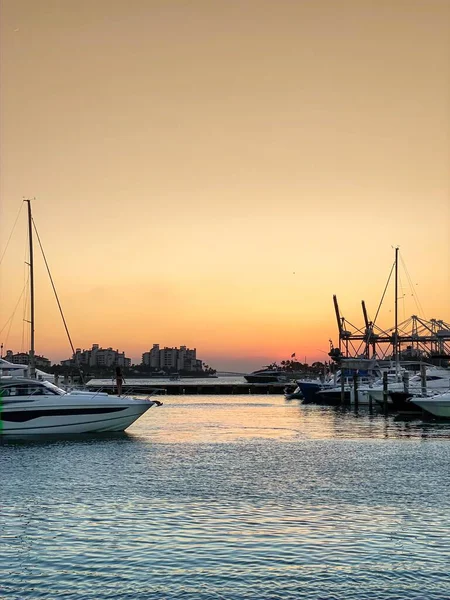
x: 22, y: 370
x: 8, y: 366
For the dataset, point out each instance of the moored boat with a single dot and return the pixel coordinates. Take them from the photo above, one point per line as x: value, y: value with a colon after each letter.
x: 293, y: 393
x: 269, y: 376
x: 31, y: 407
x: 401, y: 402
x: 438, y: 405
x: 310, y: 388
x: 436, y: 380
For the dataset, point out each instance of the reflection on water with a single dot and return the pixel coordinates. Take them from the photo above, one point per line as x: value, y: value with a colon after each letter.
x: 216, y: 419
x: 230, y: 497
x: 66, y: 439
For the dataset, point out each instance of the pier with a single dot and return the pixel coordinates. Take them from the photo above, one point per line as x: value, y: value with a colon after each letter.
x: 207, y: 387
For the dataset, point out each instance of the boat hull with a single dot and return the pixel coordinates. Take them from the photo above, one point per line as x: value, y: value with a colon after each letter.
x: 401, y: 402
x: 438, y: 406
x: 265, y: 378
x: 296, y: 394
x: 309, y: 390
x: 378, y: 397
x: 332, y: 397
x: 50, y: 418
x: 363, y: 397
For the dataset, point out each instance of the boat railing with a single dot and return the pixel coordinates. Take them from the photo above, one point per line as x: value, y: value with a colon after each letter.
x: 130, y: 392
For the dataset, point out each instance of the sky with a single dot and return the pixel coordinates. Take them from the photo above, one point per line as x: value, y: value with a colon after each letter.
x: 210, y: 173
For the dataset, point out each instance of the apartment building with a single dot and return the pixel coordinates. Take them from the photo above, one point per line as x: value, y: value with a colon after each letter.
x: 23, y: 358
x: 97, y: 357
x: 169, y: 359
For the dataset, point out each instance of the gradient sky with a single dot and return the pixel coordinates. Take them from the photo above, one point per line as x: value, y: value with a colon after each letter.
x: 210, y: 173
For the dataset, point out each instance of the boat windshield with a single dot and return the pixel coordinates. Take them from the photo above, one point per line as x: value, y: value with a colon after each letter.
x: 55, y: 389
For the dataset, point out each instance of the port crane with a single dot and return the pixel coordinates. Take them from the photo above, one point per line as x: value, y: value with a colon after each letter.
x: 413, y: 339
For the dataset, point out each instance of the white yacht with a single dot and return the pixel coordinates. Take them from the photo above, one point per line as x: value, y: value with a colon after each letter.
x: 32, y: 407
x: 437, y: 380
x: 438, y: 405
x: 394, y: 377
x: 333, y: 394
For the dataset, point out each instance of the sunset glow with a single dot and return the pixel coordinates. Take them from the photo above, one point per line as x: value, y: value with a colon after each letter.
x: 210, y: 173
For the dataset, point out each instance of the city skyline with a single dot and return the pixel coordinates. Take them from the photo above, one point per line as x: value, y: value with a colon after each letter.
x: 9, y: 354
x: 211, y: 173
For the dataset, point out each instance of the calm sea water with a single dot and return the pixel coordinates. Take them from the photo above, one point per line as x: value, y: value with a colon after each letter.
x: 230, y: 497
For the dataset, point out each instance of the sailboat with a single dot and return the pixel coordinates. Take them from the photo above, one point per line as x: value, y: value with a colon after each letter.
x: 29, y: 406
x: 423, y: 375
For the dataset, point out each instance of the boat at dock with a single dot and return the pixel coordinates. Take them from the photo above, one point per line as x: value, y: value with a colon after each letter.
x: 268, y: 375
x: 438, y: 405
x: 329, y: 389
x: 436, y: 380
x: 293, y: 393
x: 402, y: 366
x: 401, y: 402
x: 309, y: 388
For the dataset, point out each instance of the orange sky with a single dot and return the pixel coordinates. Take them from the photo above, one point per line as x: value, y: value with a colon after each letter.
x: 210, y: 173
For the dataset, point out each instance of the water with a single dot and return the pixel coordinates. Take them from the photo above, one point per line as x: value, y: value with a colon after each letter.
x: 236, y: 497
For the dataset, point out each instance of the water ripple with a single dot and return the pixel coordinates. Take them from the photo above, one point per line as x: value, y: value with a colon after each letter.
x: 246, y: 500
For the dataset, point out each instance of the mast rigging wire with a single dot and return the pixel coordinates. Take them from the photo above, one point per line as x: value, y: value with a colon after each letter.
x: 414, y: 294
x: 10, y: 235
x: 384, y: 293
x: 10, y: 319
x: 56, y: 296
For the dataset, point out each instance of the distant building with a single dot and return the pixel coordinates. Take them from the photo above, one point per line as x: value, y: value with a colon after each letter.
x: 169, y: 359
x: 23, y: 358
x: 97, y: 357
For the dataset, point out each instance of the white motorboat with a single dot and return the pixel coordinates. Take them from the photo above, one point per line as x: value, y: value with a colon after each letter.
x: 365, y: 397
x: 437, y: 380
x: 371, y: 390
x: 332, y: 394
x: 31, y: 407
x: 438, y: 405
x: 34, y: 406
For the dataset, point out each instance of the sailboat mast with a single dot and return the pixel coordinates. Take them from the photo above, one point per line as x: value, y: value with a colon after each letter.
x: 396, y: 312
x: 31, y: 264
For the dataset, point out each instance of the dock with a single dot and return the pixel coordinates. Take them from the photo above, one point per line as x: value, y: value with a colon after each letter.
x: 186, y: 388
